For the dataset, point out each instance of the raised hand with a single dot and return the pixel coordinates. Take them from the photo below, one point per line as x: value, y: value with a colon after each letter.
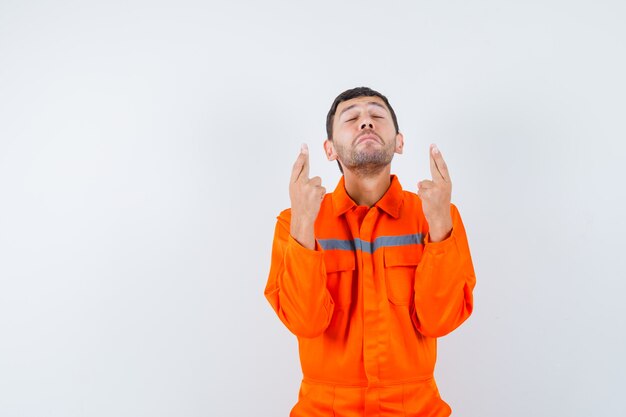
x: 306, y: 196
x: 435, y: 195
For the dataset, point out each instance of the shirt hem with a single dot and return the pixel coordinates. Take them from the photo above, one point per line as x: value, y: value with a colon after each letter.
x: 365, y: 384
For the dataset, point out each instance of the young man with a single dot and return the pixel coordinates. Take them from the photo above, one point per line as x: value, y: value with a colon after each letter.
x: 368, y: 276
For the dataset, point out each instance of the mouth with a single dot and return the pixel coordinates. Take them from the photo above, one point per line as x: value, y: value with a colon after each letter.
x: 367, y: 137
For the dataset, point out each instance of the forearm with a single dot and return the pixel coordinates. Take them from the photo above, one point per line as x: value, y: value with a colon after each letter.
x: 296, y: 286
x: 444, y: 283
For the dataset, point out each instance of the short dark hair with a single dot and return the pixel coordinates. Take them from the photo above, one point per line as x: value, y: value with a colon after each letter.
x: 349, y: 95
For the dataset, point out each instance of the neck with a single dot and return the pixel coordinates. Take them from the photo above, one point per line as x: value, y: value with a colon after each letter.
x: 367, y: 190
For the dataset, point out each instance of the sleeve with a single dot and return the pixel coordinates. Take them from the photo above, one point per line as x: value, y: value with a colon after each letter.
x: 444, y: 282
x: 296, y: 286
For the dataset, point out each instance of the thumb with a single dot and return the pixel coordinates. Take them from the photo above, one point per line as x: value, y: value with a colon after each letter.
x: 425, y: 184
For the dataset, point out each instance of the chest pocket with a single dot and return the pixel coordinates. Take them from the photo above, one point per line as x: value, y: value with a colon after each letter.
x: 341, y: 280
x: 400, y: 265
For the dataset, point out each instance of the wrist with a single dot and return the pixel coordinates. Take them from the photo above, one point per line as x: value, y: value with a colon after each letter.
x: 303, y: 232
x: 439, y: 230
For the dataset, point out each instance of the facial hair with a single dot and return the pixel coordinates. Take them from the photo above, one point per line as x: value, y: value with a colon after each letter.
x: 365, y: 161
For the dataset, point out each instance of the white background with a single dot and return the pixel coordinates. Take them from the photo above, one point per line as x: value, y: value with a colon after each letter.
x: 145, y: 151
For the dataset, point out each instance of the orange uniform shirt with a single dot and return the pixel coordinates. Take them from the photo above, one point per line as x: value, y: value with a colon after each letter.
x: 369, y: 302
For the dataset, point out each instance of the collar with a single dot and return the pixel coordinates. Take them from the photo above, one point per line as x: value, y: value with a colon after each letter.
x: 390, y: 202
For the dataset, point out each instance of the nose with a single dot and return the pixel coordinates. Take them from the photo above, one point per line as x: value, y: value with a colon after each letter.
x: 366, y: 124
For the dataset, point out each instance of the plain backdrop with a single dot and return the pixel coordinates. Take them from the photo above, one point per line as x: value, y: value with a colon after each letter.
x: 145, y: 152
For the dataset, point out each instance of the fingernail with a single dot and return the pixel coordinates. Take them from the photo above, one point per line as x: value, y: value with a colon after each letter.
x: 304, y: 148
x: 435, y: 149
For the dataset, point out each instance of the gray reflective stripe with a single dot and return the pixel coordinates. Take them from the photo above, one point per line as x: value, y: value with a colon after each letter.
x: 329, y: 244
x: 369, y: 247
x: 403, y: 240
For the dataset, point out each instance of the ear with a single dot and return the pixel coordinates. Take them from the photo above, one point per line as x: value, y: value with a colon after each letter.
x: 329, y: 149
x: 399, y: 142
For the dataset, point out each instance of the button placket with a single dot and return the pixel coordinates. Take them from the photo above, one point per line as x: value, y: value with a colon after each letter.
x: 371, y: 311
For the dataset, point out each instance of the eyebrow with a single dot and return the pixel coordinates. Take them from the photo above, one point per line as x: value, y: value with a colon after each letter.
x: 369, y: 102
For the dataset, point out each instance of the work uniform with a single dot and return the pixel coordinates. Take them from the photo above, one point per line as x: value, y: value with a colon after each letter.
x: 368, y: 303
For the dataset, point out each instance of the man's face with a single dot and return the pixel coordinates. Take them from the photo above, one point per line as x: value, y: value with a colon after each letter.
x: 364, y: 136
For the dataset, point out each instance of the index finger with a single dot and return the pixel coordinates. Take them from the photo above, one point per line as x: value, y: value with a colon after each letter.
x: 438, y: 167
x: 301, y: 166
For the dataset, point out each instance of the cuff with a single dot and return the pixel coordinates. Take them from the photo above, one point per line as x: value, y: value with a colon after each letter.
x: 295, y: 246
x: 442, y: 246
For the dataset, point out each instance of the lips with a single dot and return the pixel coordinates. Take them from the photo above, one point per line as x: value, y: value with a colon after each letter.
x: 368, y: 136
